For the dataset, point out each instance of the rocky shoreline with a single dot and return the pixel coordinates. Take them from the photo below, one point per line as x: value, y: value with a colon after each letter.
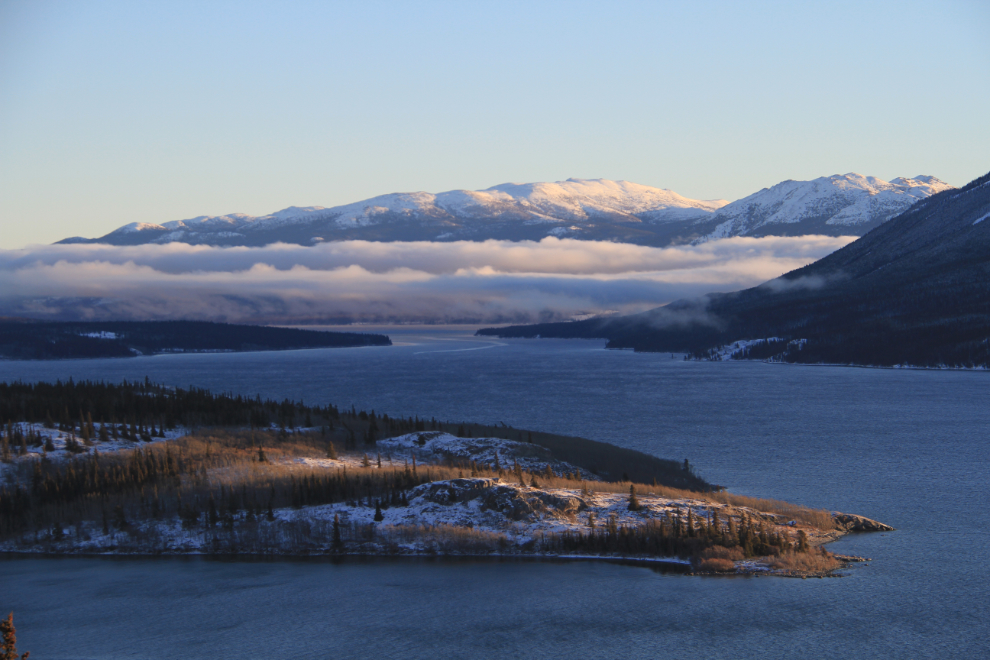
x: 491, y: 517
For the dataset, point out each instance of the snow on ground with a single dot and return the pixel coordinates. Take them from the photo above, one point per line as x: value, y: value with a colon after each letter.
x: 843, y: 199
x: 465, y: 504
x: 437, y: 447
x: 737, y: 348
x: 37, y: 435
x: 99, y: 335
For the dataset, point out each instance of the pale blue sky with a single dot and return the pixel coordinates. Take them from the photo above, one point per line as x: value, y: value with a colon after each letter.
x: 118, y: 112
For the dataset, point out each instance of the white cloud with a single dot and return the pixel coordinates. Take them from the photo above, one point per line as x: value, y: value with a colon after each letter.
x: 491, y: 281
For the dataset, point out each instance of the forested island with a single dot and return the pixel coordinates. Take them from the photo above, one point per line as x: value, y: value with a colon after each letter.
x: 140, y: 468
x: 28, y: 339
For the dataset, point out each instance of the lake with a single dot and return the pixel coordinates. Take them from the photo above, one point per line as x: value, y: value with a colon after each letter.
x: 906, y: 447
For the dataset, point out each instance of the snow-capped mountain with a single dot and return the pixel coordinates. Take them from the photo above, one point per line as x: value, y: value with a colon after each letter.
x: 591, y: 209
x: 850, y: 204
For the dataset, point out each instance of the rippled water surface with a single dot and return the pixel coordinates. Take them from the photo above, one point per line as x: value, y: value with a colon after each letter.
x: 909, y: 448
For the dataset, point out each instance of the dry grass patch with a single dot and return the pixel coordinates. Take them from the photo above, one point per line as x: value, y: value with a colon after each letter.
x: 805, y: 562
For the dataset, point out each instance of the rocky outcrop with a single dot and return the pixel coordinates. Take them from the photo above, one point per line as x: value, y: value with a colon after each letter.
x: 514, y: 502
x: 853, y: 523
x: 455, y: 490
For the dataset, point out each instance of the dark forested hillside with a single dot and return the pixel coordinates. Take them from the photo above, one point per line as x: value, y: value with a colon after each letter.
x: 915, y: 290
x: 46, y: 340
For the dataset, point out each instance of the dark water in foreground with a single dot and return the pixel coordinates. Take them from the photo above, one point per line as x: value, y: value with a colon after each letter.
x: 909, y: 448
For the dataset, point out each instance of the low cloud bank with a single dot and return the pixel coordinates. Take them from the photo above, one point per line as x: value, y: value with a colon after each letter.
x: 483, y: 282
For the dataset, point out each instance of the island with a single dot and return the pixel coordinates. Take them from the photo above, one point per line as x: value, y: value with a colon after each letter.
x: 140, y: 468
x: 29, y: 339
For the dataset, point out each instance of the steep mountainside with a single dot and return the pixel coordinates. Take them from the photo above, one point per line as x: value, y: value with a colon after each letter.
x: 912, y: 291
x: 586, y: 209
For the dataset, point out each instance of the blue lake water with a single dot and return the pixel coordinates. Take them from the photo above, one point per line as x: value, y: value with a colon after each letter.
x: 909, y: 448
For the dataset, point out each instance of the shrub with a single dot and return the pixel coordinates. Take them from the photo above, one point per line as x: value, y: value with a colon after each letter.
x: 811, y: 562
x: 716, y: 565
x: 721, y: 552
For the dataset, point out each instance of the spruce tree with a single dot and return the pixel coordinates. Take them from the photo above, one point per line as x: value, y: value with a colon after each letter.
x: 338, y: 541
x: 378, y: 511
x: 8, y: 640
x: 212, y: 516
x: 633, y: 502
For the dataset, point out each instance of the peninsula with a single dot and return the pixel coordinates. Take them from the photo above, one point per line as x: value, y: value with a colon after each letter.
x: 29, y: 339
x: 145, y: 469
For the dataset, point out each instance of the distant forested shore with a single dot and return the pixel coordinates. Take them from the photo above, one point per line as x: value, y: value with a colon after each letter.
x: 27, y: 339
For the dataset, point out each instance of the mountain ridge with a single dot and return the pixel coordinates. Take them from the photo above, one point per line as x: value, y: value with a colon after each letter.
x: 912, y: 291
x: 591, y: 209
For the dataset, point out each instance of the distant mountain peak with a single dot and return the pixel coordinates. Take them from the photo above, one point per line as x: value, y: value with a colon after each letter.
x: 852, y: 203
x: 592, y: 209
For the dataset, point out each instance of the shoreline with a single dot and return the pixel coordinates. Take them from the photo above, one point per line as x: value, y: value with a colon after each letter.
x: 486, y: 518
x: 664, y: 564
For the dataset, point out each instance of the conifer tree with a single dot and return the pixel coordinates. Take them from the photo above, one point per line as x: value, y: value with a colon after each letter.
x: 212, y: 516
x: 8, y: 640
x: 378, y: 511
x: 633, y: 501
x: 338, y: 541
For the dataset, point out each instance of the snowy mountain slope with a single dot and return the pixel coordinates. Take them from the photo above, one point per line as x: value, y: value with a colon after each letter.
x: 912, y: 291
x: 594, y: 209
x: 843, y: 203
x: 591, y: 209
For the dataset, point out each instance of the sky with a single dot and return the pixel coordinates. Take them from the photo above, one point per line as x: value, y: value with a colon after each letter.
x: 114, y: 112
